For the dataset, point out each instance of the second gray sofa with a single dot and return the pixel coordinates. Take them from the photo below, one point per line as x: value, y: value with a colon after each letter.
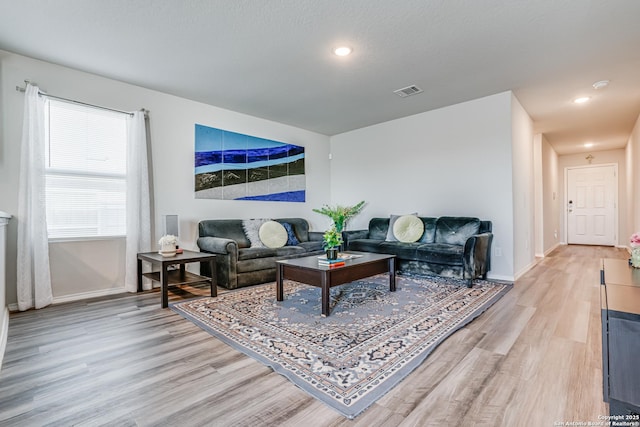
x: 458, y: 247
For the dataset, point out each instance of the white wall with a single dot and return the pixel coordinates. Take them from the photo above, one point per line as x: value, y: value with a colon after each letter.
x: 632, y: 160
x: 523, y: 189
x: 547, y: 220
x: 86, y: 267
x: 451, y: 161
x: 551, y: 201
x: 4, y: 312
x: 599, y: 157
x: 538, y: 205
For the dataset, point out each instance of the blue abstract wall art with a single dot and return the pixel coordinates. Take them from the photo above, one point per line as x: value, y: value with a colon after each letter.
x: 234, y: 166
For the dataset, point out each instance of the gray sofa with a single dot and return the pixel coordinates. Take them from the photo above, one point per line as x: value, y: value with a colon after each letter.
x: 237, y: 263
x: 458, y: 247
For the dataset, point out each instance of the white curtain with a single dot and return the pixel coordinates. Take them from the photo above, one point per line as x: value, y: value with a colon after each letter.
x: 34, y: 276
x: 138, y: 200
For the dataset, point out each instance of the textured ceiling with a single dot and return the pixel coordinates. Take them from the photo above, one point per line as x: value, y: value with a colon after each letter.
x: 272, y: 58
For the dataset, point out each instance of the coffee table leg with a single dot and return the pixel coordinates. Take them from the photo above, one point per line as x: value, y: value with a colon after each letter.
x: 392, y: 274
x: 279, y: 287
x: 214, y: 282
x: 164, y: 285
x: 325, y: 295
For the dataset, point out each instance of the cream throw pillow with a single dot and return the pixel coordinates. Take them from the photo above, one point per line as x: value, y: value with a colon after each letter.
x: 408, y: 228
x: 273, y: 234
x: 391, y: 237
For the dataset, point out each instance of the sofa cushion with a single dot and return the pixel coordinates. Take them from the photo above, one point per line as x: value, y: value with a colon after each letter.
x: 273, y: 234
x: 440, y: 253
x: 255, y: 253
x: 288, y: 251
x: 400, y: 249
x: 252, y: 231
x: 378, y: 228
x: 429, y: 234
x: 292, y: 239
x: 365, y: 245
x: 408, y: 228
x: 456, y: 230
x: 311, y: 246
x: 249, y: 259
x: 227, y: 228
x: 300, y: 227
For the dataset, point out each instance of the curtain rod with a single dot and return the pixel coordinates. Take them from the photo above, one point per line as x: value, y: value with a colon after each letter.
x: 21, y: 89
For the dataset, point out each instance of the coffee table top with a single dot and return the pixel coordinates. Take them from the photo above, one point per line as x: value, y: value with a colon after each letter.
x: 357, y: 258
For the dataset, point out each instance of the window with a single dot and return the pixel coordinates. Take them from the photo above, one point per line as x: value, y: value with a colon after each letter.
x: 85, y: 171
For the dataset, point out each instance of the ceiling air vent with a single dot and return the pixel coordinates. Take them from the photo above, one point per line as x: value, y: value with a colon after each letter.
x: 408, y: 91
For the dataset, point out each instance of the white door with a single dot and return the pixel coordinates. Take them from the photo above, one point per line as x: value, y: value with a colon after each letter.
x: 591, y: 205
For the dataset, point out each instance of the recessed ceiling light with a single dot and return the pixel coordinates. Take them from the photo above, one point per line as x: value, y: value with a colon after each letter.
x: 601, y: 84
x: 581, y: 100
x: 342, y: 51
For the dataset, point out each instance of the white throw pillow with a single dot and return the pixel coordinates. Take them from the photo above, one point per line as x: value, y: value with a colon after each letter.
x: 392, y: 220
x: 408, y: 228
x: 273, y: 234
x: 251, y: 228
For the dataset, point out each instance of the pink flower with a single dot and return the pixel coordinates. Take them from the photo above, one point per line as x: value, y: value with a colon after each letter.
x: 635, y: 240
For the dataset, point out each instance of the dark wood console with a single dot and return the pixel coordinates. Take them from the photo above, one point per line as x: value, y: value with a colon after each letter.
x: 620, y: 314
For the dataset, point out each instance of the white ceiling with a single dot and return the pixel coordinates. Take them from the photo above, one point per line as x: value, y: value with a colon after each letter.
x: 272, y: 58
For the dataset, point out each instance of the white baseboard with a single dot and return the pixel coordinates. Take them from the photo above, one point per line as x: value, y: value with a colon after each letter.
x: 499, y: 277
x: 552, y: 248
x: 527, y: 268
x: 87, y: 295
x: 79, y: 296
x: 4, y: 332
x: 537, y: 259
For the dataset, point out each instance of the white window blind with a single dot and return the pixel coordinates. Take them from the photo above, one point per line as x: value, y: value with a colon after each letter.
x: 85, y: 172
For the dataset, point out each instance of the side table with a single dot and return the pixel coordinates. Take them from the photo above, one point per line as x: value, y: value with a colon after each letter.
x: 168, y: 277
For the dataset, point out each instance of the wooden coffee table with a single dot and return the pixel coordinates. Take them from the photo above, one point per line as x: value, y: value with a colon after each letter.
x: 307, y: 270
x: 180, y: 276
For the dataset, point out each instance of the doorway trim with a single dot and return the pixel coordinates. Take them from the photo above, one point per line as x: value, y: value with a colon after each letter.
x: 615, y: 200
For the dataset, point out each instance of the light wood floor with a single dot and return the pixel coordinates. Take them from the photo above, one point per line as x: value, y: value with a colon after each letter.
x: 533, y: 359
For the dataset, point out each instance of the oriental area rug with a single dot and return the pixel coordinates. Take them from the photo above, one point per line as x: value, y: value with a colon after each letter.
x: 372, y: 339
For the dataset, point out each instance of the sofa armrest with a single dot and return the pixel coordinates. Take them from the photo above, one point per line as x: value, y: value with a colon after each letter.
x: 349, y: 235
x: 217, y: 245
x: 226, y: 251
x: 477, y: 255
x: 315, y: 236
